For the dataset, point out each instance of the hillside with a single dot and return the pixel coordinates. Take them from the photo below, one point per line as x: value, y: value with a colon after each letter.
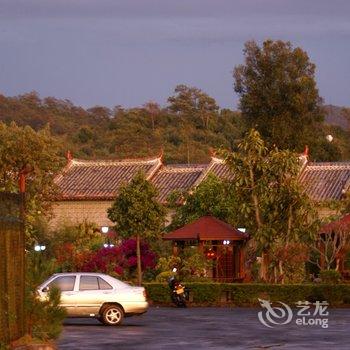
x: 339, y: 116
x: 185, y: 130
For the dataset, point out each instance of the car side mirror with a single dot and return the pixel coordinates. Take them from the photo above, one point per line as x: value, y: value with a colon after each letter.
x: 45, y: 289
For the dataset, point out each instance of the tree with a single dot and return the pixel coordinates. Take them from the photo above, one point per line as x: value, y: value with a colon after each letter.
x: 193, y: 103
x: 137, y: 213
x: 212, y: 197
x: 330, y: 246
x: 153, y: 109
x: 23, y: 149
x: 274, y: 206
x: 278, y: 94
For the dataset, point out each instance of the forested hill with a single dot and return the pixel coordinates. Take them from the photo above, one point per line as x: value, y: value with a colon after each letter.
x: 186, y: 129
x: 339, y: 116
x: 100, y: 132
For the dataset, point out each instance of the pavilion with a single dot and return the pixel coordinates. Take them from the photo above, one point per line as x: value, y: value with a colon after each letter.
x: 219, y: 241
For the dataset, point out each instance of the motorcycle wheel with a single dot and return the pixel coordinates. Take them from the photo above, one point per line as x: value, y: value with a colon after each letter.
x: 181, y: 301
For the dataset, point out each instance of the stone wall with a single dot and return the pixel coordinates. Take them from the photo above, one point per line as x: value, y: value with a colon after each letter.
x: 75, y: 212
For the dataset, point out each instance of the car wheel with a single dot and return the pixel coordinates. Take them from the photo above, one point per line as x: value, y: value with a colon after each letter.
x: 112, y: 315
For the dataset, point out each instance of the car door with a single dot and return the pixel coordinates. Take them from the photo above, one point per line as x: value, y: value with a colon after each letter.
x: 66, y: 284
x: 93, y: 292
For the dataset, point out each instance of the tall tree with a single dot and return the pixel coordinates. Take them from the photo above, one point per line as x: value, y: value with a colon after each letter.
x: 275, y: 207
x: 137, y: 213
x: 38, y: 153
x: 194, y: 104
x: 278, y: 94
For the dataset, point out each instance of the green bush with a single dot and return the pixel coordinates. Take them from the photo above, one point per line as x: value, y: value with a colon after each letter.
x: 330, y: 276
x: 164, y: 276
x: 44, y: 318
x: 246, y: 294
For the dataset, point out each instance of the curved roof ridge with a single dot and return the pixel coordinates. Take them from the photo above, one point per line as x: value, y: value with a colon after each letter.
x: 170, y: 168
x: 148, y: 160
x: 328, y: 164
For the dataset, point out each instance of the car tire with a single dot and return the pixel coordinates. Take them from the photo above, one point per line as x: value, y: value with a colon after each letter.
x: 112, y: 315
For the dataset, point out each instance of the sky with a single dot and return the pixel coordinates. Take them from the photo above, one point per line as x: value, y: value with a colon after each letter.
x: 128, y: 52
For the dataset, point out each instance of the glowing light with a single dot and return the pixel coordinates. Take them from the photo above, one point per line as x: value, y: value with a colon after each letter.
x: 104, y: 229
x: 329, y: 138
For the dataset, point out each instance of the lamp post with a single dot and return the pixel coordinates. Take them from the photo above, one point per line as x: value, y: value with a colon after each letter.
x: 105, y: 229
x: 108, y: 244
x: 39, y: 248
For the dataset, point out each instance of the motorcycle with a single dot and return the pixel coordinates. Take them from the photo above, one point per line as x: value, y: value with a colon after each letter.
x: 179, y: 293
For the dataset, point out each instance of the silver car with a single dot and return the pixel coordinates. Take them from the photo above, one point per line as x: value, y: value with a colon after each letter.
x: 96, y: 295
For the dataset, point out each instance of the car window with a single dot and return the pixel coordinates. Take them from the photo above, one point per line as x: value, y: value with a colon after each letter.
x: 103, y: 284
x: 64, y: 283
x: 88, y: 283
x: 119, y: 284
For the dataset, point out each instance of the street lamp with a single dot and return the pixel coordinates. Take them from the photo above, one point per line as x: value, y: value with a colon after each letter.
x: 104, y: 229
x: 39, y: 248
x: 329, y: 138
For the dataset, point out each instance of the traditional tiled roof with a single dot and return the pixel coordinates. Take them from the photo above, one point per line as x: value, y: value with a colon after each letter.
x: 176, y: 177
x: 100, y: 179
x: 207, y: 228
x: 217, y: 167
x: 326, y: 181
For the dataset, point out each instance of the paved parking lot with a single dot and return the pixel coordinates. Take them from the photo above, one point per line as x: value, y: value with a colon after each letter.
x: 205, y: 328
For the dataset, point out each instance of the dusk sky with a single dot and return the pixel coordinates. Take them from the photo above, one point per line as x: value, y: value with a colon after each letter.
x: 111, y: 52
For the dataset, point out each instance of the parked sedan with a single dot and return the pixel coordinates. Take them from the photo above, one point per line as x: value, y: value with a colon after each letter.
x: 96, y: 295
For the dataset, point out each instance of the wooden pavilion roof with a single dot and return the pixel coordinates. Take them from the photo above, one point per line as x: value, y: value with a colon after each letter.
x: 207, y: 228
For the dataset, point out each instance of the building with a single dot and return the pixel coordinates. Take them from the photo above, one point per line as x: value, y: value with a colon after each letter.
x: 88, y: 187
x: 219, y: 241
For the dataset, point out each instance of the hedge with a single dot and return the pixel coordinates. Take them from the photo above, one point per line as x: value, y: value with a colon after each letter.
x: 247, y: 294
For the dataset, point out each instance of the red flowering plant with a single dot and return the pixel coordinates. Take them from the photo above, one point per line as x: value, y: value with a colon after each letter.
x: 107, y: 260
x: 69, y: 258
x: 148, y: 257
x: 120, y: 261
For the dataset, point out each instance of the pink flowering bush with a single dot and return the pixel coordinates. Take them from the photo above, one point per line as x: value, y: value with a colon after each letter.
x: 120, y: 261
x: 107, y: 260
x: 148, y: 257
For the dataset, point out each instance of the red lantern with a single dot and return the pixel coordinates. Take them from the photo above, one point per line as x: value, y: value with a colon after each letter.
x: 210, y: 254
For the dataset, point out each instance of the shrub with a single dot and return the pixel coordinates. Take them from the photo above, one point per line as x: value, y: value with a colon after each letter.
x: 84, y: 236
x: 121, y: 260
x: 246, y: 294
x: 44, y: 318
x: 164, y: 276
x: 106, y: 260
x: 330, y: 276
